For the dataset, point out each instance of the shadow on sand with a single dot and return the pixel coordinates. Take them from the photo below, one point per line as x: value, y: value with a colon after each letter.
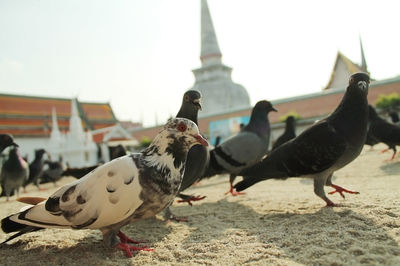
x: 329, y: 235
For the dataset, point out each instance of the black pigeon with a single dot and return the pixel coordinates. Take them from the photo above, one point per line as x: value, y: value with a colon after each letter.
x: 14, y: 173
x: 36, y: 169
x: 325, y: 147
x: 117, y: 151
x: 122, y: 191
x: 198, y: 155
x: 394, y: 116
x: 54, y: 171
x: 383, y: 131
x: 6, y: 140
x: 288, y: 134
x: 245, y: 148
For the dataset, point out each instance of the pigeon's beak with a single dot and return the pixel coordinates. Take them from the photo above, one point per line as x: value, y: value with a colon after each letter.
x: 362, y: 85
x: 273, y: 109
x: 197, y: 103
x: 201, y: 140
x: 14, y: 144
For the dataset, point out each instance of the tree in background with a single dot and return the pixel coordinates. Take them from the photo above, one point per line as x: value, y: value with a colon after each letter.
x: 291, y: 113
x: 389, y: 102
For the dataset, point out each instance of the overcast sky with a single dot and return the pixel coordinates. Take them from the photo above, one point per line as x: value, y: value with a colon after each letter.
x: 138, y: 54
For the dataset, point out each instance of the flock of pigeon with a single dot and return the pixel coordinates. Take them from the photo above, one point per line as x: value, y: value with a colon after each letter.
x: 140, y: 185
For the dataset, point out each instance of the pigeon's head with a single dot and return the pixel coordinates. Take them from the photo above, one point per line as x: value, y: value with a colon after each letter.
x: 6, y: 140
x: 264, y: 106
x: 290, y: 120
x: 260, y: 110
x: 193, y: 99
x: 183, y: 131
x: 39, y: 153
x: 359, y: 81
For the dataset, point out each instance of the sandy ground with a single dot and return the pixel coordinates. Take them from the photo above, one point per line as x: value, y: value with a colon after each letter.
x: 275, y: 223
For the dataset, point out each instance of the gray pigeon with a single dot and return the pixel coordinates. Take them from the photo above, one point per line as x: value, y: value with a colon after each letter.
x: 14, y: 173
x: 288, y: 134
x: 198, y: 155
x: 6, y: 140
x: 120, y: 192
x: 245, y: 148
x: 322, y: 149
x: 36, y: 169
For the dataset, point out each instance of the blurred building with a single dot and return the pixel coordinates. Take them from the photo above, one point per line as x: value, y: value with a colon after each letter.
x: 60, y: 125
x: 213, y: 79
x: 310, y: 107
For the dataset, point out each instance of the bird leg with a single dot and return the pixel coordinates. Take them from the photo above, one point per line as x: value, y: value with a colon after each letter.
x: 231, y: 190
x: 340, y: 190
x: 169, y: 216
x: 189, y: 199
x: 123, y: 245
x: 319, y: 182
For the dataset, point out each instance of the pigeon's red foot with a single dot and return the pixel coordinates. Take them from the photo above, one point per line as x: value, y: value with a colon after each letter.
x: 233, y: 192
x: 193, y: 198
x: 329, y: 203
x: 128, y: 248
x: 125, y: 239
x: 42, y: 189
x: 385, y: 150
x: 340, y: 190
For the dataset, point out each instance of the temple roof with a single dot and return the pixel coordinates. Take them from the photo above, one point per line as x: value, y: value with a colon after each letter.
x: 342, y: 70
x: 22, y: 115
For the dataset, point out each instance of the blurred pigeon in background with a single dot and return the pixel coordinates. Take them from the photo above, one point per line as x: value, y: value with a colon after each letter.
x: 323, y: 148
x: 6, y: 140
x: 53, y: 172
x: 36, y: 169
x: 14, y: 173
x: 124, y: 190
x: 394, y: 116
x: 383, y: 131
x: 288, y: 134
x: 245, y: 148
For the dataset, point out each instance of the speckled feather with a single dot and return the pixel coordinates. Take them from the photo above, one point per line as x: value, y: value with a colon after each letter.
x: 126, y: 189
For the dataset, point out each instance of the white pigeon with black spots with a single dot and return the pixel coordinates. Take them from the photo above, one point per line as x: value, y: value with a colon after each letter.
x: 117, y: 193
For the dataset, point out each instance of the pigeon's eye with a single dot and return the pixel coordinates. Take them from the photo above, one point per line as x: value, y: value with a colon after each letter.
x: 351, y: 80
x: 186, y: 98
x: 182, y: 127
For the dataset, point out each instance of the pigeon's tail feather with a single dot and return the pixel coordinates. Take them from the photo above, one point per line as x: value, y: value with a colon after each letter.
x: 214, y: 168
x: 246, y: 182
x: 8, y: 226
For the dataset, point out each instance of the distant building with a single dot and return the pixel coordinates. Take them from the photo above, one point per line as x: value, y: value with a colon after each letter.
x: 213, y: 79
x: 60, y: 125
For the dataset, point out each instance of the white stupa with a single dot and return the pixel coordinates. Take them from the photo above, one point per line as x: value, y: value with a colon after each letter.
x: 213, y: 79
x: 76, y: 147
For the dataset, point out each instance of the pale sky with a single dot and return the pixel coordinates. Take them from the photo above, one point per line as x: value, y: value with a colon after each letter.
x: 138, y: 54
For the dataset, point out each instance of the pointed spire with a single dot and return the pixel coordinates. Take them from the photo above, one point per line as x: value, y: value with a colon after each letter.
x: 210, y: 52
x: 75, y: 122
x: 55, y: 134
x: 363, y: 60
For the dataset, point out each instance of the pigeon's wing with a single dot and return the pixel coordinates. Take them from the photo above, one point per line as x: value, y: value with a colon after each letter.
x: 196, y: 163
x: 315, y: 150
x: 385, y: 132
x: 240, y: 151
x: 105, y: 196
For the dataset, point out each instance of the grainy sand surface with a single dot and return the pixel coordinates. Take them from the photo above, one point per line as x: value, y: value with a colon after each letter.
x: 275, y: 223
